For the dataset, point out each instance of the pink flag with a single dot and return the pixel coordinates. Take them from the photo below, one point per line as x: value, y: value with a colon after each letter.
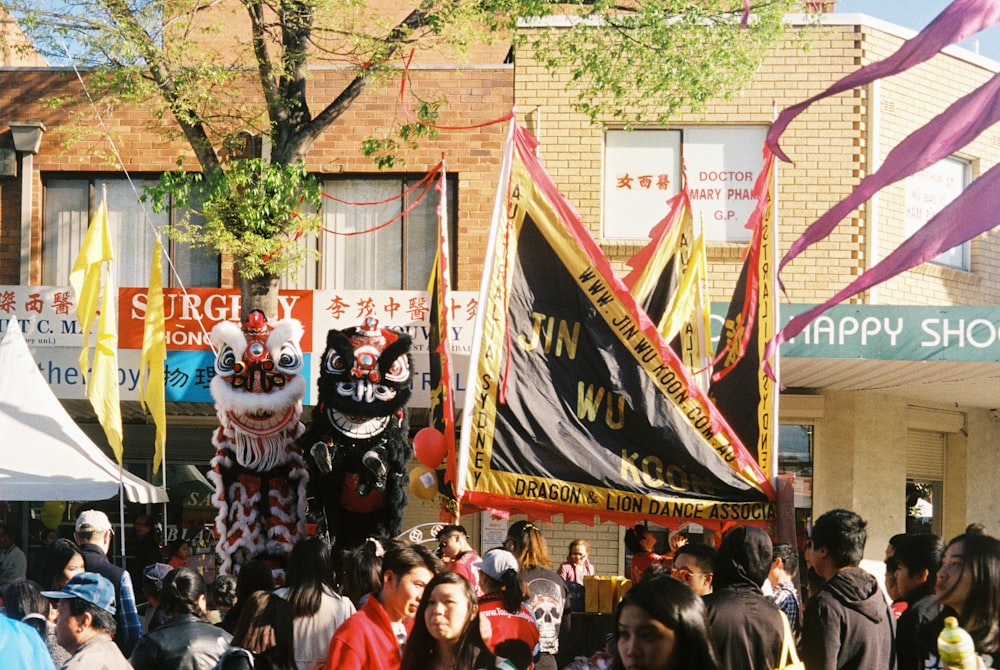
x: 968, y: 215
x: 951, y: 130
x: 959, y: 20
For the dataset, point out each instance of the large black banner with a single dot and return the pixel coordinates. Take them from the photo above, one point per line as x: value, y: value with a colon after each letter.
x: 578, y: 406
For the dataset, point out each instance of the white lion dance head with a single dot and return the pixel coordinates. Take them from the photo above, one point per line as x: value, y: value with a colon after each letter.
x: 258, y: 471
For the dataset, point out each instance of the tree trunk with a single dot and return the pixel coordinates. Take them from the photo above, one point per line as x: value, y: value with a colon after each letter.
x: 260, y: 293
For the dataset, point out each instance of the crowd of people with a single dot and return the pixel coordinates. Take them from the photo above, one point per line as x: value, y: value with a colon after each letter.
x: 398, y: 605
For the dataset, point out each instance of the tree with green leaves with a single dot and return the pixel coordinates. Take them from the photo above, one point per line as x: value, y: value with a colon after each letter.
x: 191, y: 60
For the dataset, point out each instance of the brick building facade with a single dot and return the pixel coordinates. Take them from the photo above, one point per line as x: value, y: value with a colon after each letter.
x: 868, y: 426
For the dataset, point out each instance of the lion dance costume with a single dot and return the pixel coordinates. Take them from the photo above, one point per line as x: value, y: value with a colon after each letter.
x: 258, y: 471
x: 357, y: 441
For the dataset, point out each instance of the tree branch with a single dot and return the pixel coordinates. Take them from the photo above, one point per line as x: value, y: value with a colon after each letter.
x: 303, y: 137
x: 160, y: 72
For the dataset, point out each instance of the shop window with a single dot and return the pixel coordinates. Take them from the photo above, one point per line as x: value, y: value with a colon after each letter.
x: 642, y: 169
x: 926, y: 194
x: 795, y: 457
x: 397, y: 256
x: 925, y: 457
x: 920, y: 506
x: 69, y: 207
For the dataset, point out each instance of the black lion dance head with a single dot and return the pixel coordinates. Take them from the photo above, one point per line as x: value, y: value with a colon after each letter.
x: 357, y: 442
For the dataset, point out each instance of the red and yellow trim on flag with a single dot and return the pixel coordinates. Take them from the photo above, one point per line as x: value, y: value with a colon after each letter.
x: 596, y: 401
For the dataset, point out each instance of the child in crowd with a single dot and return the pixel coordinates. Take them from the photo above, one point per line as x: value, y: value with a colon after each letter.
x: 577, y: 564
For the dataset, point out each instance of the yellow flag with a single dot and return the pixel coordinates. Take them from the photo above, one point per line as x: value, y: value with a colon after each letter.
x: 103, y: 386
x: 689, y: 316
x: 682, y: 304
x: 152, y: 392
x: 85, y: 277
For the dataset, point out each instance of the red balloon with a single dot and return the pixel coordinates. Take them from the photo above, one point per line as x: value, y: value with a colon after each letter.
x: 428, y: 445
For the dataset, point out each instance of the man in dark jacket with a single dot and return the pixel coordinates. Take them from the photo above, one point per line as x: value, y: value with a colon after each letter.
x: 848, y: 625
x: 917, y: 559
x: 93, y: 534
x: 746, y: 626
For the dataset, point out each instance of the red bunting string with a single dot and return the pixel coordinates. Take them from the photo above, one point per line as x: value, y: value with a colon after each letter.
x: 412, y: 117
x: 427, y: 181
x: 415, y: 186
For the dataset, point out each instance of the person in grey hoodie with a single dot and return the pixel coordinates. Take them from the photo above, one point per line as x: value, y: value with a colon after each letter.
x: 746, y: 626
x: 848, y: 624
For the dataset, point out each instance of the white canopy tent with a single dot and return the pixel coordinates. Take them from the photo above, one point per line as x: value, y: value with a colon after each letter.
x: 44, y: 455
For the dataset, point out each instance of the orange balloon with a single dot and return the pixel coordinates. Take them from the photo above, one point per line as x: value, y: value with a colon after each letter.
x: 423, y: 482
x: 428, y: 445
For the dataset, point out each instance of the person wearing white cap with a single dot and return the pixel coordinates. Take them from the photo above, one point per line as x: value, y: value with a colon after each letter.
x: 514, y: 632
x: 93, y: 534
x: 86, y: 622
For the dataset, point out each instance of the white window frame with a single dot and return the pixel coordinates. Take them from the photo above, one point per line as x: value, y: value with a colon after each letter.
x: 927, y: 192
x: 63, y: 230
x: 721, y: 162
x: 398, y: 256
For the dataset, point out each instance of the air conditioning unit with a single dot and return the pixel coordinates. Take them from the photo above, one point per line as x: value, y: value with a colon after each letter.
x: 8, y: 163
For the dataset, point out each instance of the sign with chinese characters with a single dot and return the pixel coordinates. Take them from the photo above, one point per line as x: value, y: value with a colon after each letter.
x: 407, y: 311
x: 47, y: 316
x: 641, y: 170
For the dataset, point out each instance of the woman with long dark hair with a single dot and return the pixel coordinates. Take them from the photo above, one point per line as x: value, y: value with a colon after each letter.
x: 549, y: 596
x: 317, y: 609
x: 446, y: 634
x: 661, y: 624
x: 254, y: 576
x: 62, y: 560
x: 503, y: 606
x: 263, y: 638
x: 968, y: 588
x: 186, y: 641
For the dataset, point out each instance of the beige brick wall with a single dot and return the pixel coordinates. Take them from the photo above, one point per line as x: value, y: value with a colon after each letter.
x: 830, y: 145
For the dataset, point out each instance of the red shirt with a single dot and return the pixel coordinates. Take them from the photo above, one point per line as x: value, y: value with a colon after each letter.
x: 467, y: 565
x: 508, y: 626
x: 365, y: 641
x: 639, y: 564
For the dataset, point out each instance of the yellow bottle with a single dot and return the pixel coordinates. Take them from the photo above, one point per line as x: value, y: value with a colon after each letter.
x: 955, y: 646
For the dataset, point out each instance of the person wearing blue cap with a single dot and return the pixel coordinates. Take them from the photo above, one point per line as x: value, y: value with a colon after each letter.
x: 86, y: 622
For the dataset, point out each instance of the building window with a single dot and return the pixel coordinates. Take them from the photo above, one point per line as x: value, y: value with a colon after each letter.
x: 397, y: 256
x: 926, y: 194
x: 69, y: 206
x: 642, y: 169
x: 795, y: 457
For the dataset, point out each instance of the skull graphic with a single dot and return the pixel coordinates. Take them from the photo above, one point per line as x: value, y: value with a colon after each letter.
x: 547, y: 602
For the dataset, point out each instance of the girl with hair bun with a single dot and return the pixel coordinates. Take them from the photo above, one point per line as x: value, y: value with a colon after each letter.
x: 186, y: 640
x: 514, y: 632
